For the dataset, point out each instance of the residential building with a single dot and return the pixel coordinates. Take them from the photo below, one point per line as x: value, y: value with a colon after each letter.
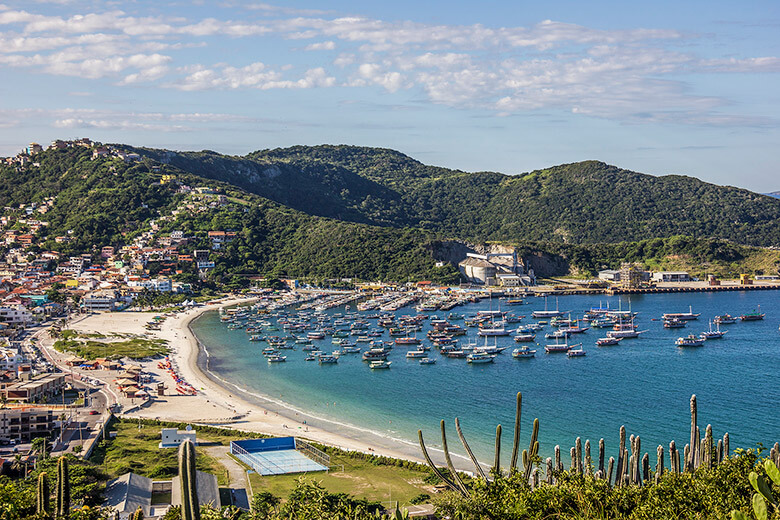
x: 15, y: 314
x: 25, y: 424
x: 35, y: 389
x: 102, y: 300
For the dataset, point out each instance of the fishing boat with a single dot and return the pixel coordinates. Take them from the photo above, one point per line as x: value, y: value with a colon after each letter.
x: 328, y: 360
x: 690, y: 340
x: 316, y: 335
x: 685, y: 316
x: 350, y: 349
x: 548, y: 313
x: 375, y: 354
x: 277, y: 359
x: 608, y: 341
x: 725, y: 319
x: 380, y: 364
x: 523, y: 352
x: 753, y: 316
x: 713, y: 334
x: 579, y: 352
x: 674, y: 323
x: 427, y: 361
x: 480, y: 357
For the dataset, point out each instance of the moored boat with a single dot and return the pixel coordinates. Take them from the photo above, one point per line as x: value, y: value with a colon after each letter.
x: 690, y: 340
x: 523, y: 352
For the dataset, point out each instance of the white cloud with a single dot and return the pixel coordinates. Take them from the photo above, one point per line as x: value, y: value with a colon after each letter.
x: 321, y: 46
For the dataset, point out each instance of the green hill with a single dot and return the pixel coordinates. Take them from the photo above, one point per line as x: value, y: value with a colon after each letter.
x: 585, y: 202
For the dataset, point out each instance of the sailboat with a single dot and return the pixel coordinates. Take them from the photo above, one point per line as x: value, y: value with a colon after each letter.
x: 548, y: 313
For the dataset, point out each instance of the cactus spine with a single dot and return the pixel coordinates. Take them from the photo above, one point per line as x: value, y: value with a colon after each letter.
x: 63, y: 488
x: 44, y: 504
x: 516, y: 439
x: 190, y: 506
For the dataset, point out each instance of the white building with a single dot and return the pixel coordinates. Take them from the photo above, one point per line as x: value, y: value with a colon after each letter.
x: 10, y: 360
x: 671, y: 276
x: 15, y: 315
x: 171, y: 437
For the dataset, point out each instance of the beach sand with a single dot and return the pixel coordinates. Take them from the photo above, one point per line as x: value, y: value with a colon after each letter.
x: 214, y: 403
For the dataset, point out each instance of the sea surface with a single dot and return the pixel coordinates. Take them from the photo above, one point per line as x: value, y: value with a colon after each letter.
x: 644, y: 384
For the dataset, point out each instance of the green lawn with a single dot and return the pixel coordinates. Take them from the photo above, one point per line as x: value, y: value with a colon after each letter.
x: 136, y: 450
x: 359, y: 478
x: 135, y: 348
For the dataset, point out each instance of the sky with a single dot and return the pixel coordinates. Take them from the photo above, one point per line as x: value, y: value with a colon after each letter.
x: 662, y: 87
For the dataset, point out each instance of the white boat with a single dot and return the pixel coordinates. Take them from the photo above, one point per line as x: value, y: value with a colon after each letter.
x: 578, y: 352
x: 608, y: 341
x: 690, y: 315
x: 523, y: 352
x: 379, y: 364
x: 277, y: 359
x: 713, y: 334
x: 560, y: 347
x: 689, y: 341
x: 725, y: 319
x: 480, y: 357
x: 427, y: 361
x: 412, y: 354
x: 548, y: 313
x: 525, y: 338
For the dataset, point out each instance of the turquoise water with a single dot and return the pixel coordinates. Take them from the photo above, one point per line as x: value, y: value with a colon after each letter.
x: 644, y: 384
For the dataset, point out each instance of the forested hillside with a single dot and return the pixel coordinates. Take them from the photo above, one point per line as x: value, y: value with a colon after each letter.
x: 586, y: 202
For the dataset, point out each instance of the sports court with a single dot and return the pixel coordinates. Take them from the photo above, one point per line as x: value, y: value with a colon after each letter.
x: 280, y: 456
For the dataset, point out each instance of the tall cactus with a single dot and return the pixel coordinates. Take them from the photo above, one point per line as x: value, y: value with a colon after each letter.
x: 601, y: 456
x: 468, y: 449
x: 533, y: 449
x: 496, y: 470
x: 450, y: 465
x: 516, y: 439
x: 620, y: 461
x: 44, y: 503
x: 578, y: 456
x: 690, y: 457
x: 588, y: 462
x: 726, y: 453
x: 190, y: 505
x: 436, y: 470
x: 62, y: 497
x: 609, y: 470
x: 719, y: 452
x: 558, y: 463
x: 707, y: 454
x: 549, y: 471
x: 659, y: 467
x: 646, y: 467
x: 674, y: 458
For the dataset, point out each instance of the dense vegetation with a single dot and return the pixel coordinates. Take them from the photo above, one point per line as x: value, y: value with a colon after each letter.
x: 332, y: 212
x: 585, y: 202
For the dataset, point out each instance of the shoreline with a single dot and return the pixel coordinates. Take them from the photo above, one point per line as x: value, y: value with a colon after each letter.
x: 221, y: 403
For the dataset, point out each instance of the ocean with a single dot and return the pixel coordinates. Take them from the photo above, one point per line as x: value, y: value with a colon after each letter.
x: 644, y: 383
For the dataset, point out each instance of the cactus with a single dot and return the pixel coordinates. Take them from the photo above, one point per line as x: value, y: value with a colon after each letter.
x: 138, y: 515
x: 496, y: 469
x: 549, y: 471
x: 468, y: 449
x: 719, y: 452
x: 44, y: 504
x: 558, y: 464
x: 620, y: 461
x: 646, y: 468
x: 516, y: 439
x: 601, y: 456
x: 450, y: 466
x: 659, y: 467
x: 707, y: 454
x: 533, y: 449
x: 436, y: 471
x: 190, y: 506
x: 686, y: 456
x: 697, y: 458
x: 690, y: 456
x: 726, y: 453
x: 763, y: 493
x: 573, y: 453
x: 777, y: 453
x: 578, y: 455
x: 62, y: 497
x: 588, y: 462
x: 609, y: 470
x: 674, y: 459
x: 535, y: 479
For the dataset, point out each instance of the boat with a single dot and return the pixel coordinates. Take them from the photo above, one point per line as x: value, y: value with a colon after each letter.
x: 480, y: 357
x: 380, y: 364
x: 608, y: 341
x: 416, y: 354
x: 316, y: 335
x: 407, y: 341
x: 427, y: 361
x: 689, y: 341
x: 753, y: 316
x: 560, y: 347
x: 725, y: 319
x: 685, y: 316
x: 328, y: 359
x: 674, y: 323
x: 576, y: 352
x: 514, y: 301
x: 493, y: 331
x: 525, y: 338
x: 523, y: 352
x: 277, y: 359
x: 548, y: 313
x: 713, y: 334
x: 375, y: 354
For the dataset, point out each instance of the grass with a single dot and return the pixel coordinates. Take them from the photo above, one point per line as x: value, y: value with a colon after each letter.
x: 136, y: 450
x: 359, y: 478
x: 135, y: 348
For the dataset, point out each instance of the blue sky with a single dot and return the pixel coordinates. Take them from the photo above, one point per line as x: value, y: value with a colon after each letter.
x: 667, y: 87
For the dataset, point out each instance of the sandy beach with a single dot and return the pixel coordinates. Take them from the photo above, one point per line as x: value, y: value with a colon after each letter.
x: 214, y: 404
